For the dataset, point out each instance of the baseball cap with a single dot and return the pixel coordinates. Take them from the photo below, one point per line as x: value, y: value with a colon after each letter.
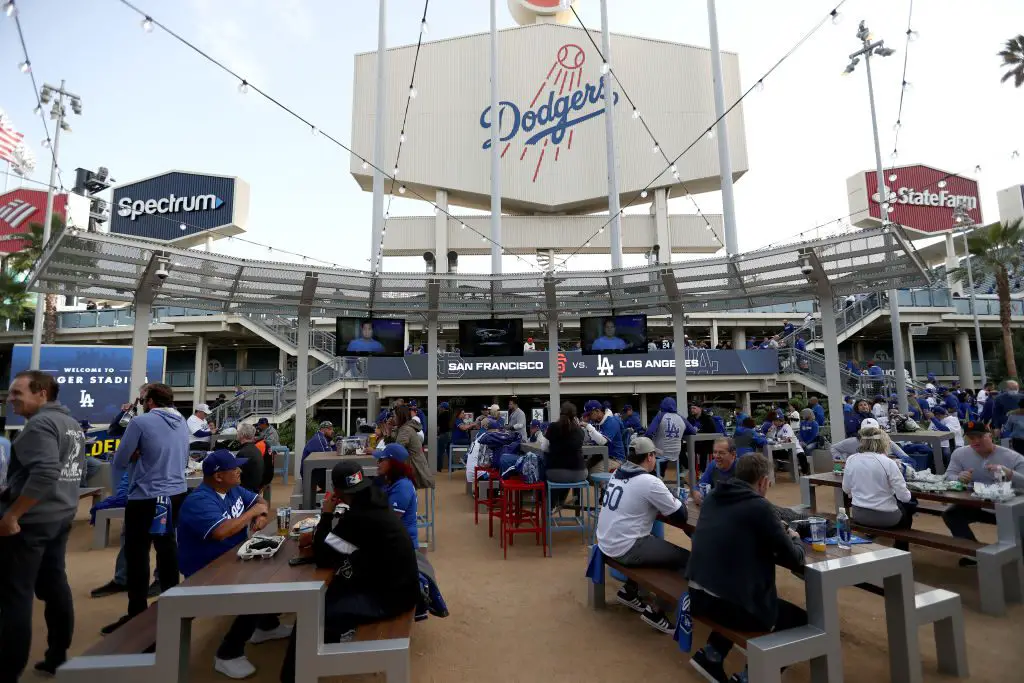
x: 221, y: 460
x: 535, y: 423
x: 939, y: 410
x: 202, y: 408
x: 529, y: 339
x: 976, y: 428
x: 627, y: 407
x: 592, y: 405
x: 868, y: 422
x: 383, y: 416
x: 394, y: 451
x: 326, y: 424
x: 413, y: 403
x: 495, y: 407
x: 444, y: 405
x: 263, y: 421
x: 347, y: 477
x: 642, y: 445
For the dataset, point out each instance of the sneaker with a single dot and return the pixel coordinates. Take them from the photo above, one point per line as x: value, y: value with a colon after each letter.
x: 630, y: 599
x: 110, y: 628
x: 712, y: 671
x: 239, y: 667
x: 968, y: 562
x: 656, y: 618
x: 47, y: 668
x: 260, y: 636
x: 112, y: 588
x: 154, y: 590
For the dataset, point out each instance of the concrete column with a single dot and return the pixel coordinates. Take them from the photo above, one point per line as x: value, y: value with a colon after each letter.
x: 714, y: 333
x: 282, y: 361
x: 743, y: 401
x: 441, y: 232
x: 964, y: 366
x: 432, y: 392
x: 199, y: 382
x: 739, y: 338
x: 643, y: 409
x: 372, y: 405
x: 952, y: 262
x: 833, y: 383
x: 140, y: 340
x: 858, y: 349
x: 301, y: 388
x: 348, y: 412
x: 554, y: 390
x: 662, y: 236
x: 242, y: 358
x: 910, y: 354
x: 679, y: 347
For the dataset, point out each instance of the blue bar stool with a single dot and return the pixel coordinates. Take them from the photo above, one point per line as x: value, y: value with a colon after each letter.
x: 425, y: 520
x: 454, y: 449
x: 600, y: 481
x: 560, y: 523
x: 283, y: 469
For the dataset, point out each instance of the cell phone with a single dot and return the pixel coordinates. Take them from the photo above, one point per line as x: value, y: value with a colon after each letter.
x: 297, y: 561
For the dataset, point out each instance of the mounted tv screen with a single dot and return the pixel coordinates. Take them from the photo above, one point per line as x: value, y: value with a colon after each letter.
x: 491, y: 337
x: 369, y: 337
x: 614, y: 334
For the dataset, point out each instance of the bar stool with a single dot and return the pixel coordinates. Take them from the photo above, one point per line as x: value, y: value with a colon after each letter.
x: 452, y: 465
x: 427, y: 518
x: 579, y: 522
x: 489, y: 502
x: 600, y: 481
x: 285, y: 467
x: 513, y: 514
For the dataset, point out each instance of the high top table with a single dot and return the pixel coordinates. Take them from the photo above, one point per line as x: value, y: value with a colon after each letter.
x: 933, y: 438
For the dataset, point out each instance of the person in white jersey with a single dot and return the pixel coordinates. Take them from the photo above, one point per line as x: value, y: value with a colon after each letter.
x: 632, y: 501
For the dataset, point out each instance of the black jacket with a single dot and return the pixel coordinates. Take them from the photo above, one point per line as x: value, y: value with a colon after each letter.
x: 736, y: 545
x: 565, y: 448
x: 372, y: 555
x: 252, y: 471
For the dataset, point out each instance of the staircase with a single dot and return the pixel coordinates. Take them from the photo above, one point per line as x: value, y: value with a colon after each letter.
x: 277, y: 404
x: 808, y: 368
x: 850, y: 319
x: 284, y: 334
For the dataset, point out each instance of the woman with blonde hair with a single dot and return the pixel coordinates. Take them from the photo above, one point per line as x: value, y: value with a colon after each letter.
x: 875, y: 484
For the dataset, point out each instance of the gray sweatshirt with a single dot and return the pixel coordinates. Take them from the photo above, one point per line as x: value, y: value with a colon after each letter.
x: 966, y: 458
x: 46, y: 464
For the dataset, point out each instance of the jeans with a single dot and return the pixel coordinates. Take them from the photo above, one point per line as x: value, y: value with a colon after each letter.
x: 735, y: 617
x: 138, y: 517
x: 121, y: 566
x: 32, y: 564
x: 242, y: 628
x: 341, y: 614
x: 959, y: 518
x: 650, y: 551
x: 92, y: 466
x: 444, y: 440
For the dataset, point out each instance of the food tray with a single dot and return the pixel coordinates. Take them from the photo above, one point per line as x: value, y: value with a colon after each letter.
x: 274, y: 543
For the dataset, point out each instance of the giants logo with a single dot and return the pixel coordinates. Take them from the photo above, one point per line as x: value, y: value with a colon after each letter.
x: 559, y: 112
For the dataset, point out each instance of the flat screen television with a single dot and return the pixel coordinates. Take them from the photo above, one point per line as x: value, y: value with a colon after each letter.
x: 491, y: 337
x: 614, y: 334
x: 369, y: 337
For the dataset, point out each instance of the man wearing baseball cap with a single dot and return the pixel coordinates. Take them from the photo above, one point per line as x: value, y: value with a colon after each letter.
x: 842, y: 450
x: 198, y: 427
x: 267, y: 434
x: 981, y: 461
x: 321, y: 442
x: 608, y: 431
x: 633, y: 500
x: 214, y: 520
x: 376, y: 575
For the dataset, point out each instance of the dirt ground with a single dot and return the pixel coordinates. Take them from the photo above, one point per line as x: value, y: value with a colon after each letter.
x: 526, y: 618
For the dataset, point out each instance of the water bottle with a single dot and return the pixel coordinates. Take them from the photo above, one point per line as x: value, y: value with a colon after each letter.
x: 843, y: 530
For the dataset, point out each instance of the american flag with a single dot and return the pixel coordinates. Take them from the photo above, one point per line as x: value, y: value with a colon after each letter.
x: 10, y: 140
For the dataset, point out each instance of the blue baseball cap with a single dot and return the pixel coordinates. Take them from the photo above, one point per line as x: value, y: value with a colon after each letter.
x: 413, y: 403
x: 535, y: 423
x: 592, y: 405
x: 393, y: 451
x: 263, y: 421
x: 444, y: 405
x: 383, y: 416
x: 221, y: 460
x: 939, y: 410
x: 627, y: 407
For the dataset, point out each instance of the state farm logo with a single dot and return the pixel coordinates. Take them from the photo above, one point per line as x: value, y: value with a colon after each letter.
x: 908, y: 195
x: 565, y: 102
x: 16, y: 212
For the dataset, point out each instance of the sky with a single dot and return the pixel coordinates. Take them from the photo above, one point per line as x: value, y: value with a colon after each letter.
x: 151, y: 104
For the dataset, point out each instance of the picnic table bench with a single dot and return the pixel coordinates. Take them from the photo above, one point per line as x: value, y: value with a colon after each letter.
x: 1000, y: 567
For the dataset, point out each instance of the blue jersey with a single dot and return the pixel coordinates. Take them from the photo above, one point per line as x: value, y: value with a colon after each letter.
x: 362, y: 345
x: 202, y: 512
x: 609, y: 344
x: 403, y: 500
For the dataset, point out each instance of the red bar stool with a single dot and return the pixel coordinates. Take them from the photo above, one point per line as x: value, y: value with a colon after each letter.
x: 488, y: 502
x: 513, y: 515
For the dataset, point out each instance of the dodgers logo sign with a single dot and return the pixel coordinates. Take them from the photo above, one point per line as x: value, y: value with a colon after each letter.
x: 562, y: 102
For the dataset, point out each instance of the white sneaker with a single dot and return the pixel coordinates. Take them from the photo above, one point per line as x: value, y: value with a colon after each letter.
x: 237, y: 668
x: 260, y: 636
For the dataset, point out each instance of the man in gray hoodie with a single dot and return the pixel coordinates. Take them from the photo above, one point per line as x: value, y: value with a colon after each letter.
x: 154, y: 450
x: 36, y: 511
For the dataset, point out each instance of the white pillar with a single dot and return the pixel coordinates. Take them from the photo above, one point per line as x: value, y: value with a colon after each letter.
x: 554, y: 390
x: 495, y: 154
x: 140, y: 340
x: 441, y: 233
x: 643, y: 409
x: 910, y: 352
x: 722, y: 135
x: 609, y: 129
x: 662, y: 235
x: 714, y: 333
x: 432, y: 391
x: 301, y: 387
x: 282, y: 361
x: 743, y: 401
x: 348, y: 412
x: 964, y: 365
x: 951, y: 263
x: 739, y: 338
x: 379, y: 125
x: 199, y: 374
x: 833, y: 382
x: 679, y: 346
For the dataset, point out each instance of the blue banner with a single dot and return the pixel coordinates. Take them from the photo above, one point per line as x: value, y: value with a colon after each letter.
x: 94, y: 380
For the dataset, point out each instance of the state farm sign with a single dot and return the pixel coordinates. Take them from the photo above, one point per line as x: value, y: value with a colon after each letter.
x: 922, y: 199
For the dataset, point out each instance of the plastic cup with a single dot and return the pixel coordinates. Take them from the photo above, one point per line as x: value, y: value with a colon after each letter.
x: 818, y: 529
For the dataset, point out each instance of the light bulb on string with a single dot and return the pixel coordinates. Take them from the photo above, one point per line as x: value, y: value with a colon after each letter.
x: 837, y: 18
x: 601, y: 229
x: 25, y: 66
x: 424, y: 26
x: 907, y: 86
x: 710, y: 134
x: 759, y: 86
x: 655, y: 149
x: 243, y: 87
x: 147, y: 24
x: 413, y: 92
x: 977, y: 169
x: 673, y: 168
x: 401, y: 189
x: 46, y: 143
x: 366, y: 164
x: 10, y: 9
x: 892, y: 178
x: 643, y: 194
x: 912, y: 35
x: 587, y: 243
x: 396, y: 171
x: 401, y: 137
x: 182, y: 227
x: 314, y: 130
x: 636, y: 113
x: 896, y: 126
x: 462, y: 226
x: 1014, y: 154
x: 38, y: 110
x: 605, y: 68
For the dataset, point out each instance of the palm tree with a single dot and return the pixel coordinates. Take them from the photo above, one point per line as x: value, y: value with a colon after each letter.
x: 1013, y: 57
x: 26, y: 259
x: 13, y: 297
x: 995, y: 251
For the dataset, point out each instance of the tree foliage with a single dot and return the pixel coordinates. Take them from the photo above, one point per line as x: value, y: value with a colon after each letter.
x: 1013, y: 60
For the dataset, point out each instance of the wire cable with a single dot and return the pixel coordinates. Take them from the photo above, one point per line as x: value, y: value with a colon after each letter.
x: 39, y: 103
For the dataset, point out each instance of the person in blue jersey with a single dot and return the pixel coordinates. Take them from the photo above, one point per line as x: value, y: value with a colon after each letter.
x: 214, y: 520
x: 719, y: 422
x: 701, y: 423
x: 321, y: 442
x: 608, y: 341
x: 847, y: 406
x: 603, y: 429
x: 809, y: 430
x: 365, y: 343
x: 949, y: 401
x: 819, y: 410
x: 746, y: 437
x: 667, y: 430
x: 394, y: 475
x: 630, y: 420
x: 852, y: 421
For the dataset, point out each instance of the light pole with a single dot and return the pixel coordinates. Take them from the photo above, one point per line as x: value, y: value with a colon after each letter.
x: 963, y: 219
x: 57, y: 113
x: 869, y: 48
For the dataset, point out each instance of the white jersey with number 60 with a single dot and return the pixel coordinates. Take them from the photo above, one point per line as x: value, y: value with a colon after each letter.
x: 631, y: 503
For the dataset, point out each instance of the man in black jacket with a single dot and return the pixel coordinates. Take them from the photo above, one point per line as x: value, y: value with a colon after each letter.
x: 252, y: 470
x: 731, y: 571
x: 376, y: 574
x: 704, y: 424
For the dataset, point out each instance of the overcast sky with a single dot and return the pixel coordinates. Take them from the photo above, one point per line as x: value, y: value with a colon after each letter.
x: 151, y: 104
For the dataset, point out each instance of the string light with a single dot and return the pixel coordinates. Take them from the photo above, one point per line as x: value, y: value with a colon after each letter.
x: 401, y: 190
x: 710, y: 134
x: 366, y: 164
x: 941, y: 184
x: 10, y: 9
x: 401, y: 138
x: 759, y: 86
x: 424, y: 27
x: 605, y: 68
x: 636, y: 113
x: 413, y: 92
x: 243, y: 87
x: 147, y: 25
x: 837, y: 18
x: 25, y: 66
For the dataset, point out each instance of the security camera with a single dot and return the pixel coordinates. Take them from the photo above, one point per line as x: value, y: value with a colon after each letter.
x: 161, y: 270
x: 806, y: 268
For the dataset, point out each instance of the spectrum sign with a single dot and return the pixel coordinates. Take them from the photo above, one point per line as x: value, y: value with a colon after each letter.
x: 922, y: 199
x: 181, y: 208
